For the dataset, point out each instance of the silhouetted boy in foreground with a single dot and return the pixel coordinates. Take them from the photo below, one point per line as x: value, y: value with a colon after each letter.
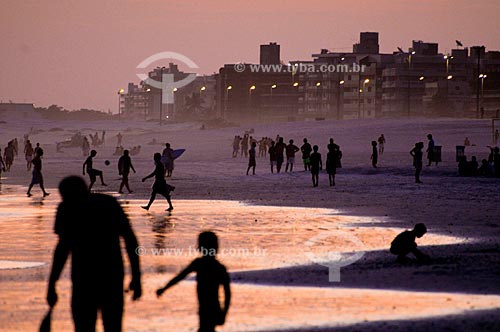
x: 404, y: 244
x: 210, y: 275
x: 89, y: 227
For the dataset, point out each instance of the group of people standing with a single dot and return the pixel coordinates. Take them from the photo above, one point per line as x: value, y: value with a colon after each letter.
x: 311, y: 158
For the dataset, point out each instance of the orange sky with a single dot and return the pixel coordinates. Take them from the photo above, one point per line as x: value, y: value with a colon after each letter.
x: 79, y: 53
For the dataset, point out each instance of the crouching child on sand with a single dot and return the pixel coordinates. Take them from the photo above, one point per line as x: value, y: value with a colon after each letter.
x: 405, y: 243
x: 210, y: 275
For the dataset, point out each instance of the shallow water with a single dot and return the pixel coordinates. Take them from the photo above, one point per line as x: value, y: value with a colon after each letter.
x: 251, y: 238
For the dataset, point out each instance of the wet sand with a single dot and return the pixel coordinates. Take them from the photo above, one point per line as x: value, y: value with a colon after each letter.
x: 295, y: 225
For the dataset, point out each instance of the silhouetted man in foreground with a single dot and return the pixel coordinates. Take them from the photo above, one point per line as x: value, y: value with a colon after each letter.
x: 405, y: 243
x: 89, y: 227
x: 210, y: 275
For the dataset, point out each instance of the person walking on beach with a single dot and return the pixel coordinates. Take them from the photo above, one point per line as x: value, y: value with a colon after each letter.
x: 168, y: 160
x: 89, y: 227
x: 404, y: 243
x: 374, y: 156
x: 124, y: 167
x: 37, y: 177
x: 251, y: 158
x: 2, y: 165
x: 290, y: 150
x: 119, y: 138
x: 8, y: 156
x: 37, y: 147
x: 210, y: 276
x: 381, y: 143
x: 331, y: 165
x: 279, y: 150
x: 496, y: 162
x: 236, y: 145
x: 332, y: 145
x: 15, y: 144
x: 85, y: 146
x: 272, y: 155
x: 92, y: 172
x: 417, y: 155
x: 28, y: 154
x: 160, y: 186
x: 244, y: 145
x: 306, y: 150
x: 430, y: 149
x: 316, y: 165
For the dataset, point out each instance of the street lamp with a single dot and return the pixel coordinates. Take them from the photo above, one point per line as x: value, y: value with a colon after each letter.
x: 120, y: 92
x: 409, y: 79
x: 161, y: 94
x: 250, y: 95
x: 341, y: 83
x: 146, y: 109
x: 274, y: 86
x: 296, y: 84
x: 228, y: 88
x: 365, y: 82
x: 482, y: 77
x: 449, y: 77
x: 203, y: 88
x: 421, y: 78
x: 447, y: 57
x: 318, y: 84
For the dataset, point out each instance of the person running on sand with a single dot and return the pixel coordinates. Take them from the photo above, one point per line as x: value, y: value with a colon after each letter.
x: 272, y: 155
x: 290, y: 149
x: 306, y: 150
x: 251, y: 158
x: 92, y: 172
x: 210, y: 276
x: 417, y: 155
x: 374, y: 156
x: 160, y: 186
x: 404, y: 243
x: 279, y: 150
x: 316, y: 165
x: 37, y: 177
x: 124, y: 167
x: 28, y: 154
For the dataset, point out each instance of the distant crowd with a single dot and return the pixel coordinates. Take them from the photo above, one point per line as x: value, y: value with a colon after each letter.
x: 281, y: 154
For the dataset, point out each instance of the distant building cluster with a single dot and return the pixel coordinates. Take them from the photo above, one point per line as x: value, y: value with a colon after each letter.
x: 363, y: 83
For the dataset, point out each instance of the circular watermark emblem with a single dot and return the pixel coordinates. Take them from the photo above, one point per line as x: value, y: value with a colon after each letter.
x: 333, y: 260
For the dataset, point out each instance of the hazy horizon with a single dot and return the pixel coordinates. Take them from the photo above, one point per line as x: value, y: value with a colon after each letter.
x: 78, y: 54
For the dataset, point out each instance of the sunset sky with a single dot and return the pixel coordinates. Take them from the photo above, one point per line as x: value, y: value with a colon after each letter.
x: 79, y: 53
